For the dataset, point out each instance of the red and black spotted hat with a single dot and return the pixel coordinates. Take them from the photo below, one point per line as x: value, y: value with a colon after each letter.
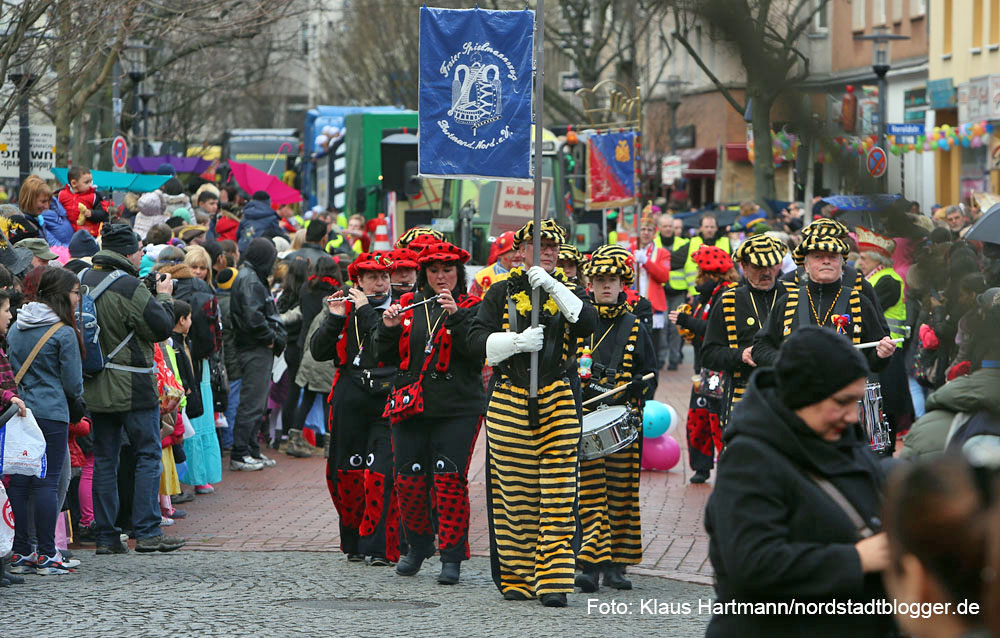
x: 442, y: 251
x: 406, y: 239
x: 377, y: 261
x: 712, y: 259
x: 404, y: 258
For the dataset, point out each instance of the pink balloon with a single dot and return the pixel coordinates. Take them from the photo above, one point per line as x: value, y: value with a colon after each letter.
x: 661, y: 453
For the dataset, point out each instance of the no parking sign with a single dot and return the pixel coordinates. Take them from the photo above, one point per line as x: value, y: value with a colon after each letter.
x: 119, y: 152
x: 876, y: 162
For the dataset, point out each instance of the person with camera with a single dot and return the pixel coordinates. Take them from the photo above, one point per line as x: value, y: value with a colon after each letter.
x: 124, y: 396
x: 795, y: 514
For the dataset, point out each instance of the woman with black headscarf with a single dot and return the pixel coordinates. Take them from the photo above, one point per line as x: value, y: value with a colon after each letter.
x: 793, y: 518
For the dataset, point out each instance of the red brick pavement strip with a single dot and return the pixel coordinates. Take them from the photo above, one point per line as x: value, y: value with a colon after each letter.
x: 288, y: 507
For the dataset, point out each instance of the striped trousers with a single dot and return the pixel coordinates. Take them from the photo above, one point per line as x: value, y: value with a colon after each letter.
x: 610, y: 531
x: 533, y: 483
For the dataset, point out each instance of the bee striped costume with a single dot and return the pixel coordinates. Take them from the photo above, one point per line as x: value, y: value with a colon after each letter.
x: 532, y: 446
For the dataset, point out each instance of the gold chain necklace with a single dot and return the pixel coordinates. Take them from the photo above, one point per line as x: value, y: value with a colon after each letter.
x: 757, y: 314
x: 813, y: 308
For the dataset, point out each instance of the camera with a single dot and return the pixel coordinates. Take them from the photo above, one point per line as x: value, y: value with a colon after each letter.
x: 152, y: 279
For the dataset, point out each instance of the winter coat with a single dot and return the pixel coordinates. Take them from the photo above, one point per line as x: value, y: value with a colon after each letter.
x: 253, y: 313
x: 977, y: 391
x: 206, y: 328
x: 258, y: 219
x: 8, y: 389
x: 233, y: 370
x: 55, y: 377
x: 311, y: 252
x: 127, y: 305
x: 776, y: 536
x: 656, y: 272
x: 78, y: 430
x: 188, y: 376
x: 175, y: 202
x: 223, y: 226
x: 90, y: 200
x: 313, y: 375
x: 56, y: 224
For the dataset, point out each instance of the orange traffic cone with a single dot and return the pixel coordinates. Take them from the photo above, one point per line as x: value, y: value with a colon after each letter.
x: 382, y: 234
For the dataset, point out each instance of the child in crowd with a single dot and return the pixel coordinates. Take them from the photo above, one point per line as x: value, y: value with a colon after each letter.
x: 172, y: 400
x: 84, y: 205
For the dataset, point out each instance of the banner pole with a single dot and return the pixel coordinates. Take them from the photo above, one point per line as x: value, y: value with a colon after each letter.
x: 536, y: 236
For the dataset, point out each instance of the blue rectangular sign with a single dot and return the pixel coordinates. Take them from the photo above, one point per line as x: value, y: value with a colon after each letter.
x: 905, y: 130
x: 475, y: 93
x: 942, y: 94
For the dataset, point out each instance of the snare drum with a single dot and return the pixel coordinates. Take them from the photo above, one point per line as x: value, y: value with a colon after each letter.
x: 606, y: 431
x: 873, y: 419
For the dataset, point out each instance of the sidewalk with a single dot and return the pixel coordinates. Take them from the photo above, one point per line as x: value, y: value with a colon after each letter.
x: 288, y: 507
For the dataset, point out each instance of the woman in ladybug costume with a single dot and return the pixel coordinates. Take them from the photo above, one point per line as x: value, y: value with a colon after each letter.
x: 435, y: 408
x: 359, y: 470
x: 716, y: 274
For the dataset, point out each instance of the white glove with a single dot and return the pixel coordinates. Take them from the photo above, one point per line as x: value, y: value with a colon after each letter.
x: 641, y: 257
x: 569, y: 304
x: 503, y: 345
x: 538, y: 278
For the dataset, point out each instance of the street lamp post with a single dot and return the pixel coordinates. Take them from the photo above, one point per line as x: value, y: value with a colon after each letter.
x: 674, y: 84
x: 146, y: 98
x: 881, y: 37
x: 23, y: 81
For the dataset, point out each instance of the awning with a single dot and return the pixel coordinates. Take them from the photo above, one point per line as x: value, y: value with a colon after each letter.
x: 737, y: 153
x: 699, y: 162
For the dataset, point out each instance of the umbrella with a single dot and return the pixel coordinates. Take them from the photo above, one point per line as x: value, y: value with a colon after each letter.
x: 987, y: 227
x: 179, y: 164
x: 252, y: 179
x: 108, y: 180
x: 872, y: 203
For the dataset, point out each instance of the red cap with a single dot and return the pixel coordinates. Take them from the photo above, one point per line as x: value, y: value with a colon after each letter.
x: 378, y: 261
x: 403, y: 258
x: 712, y: 259
x: 417, y: 243
x: 443, y: 251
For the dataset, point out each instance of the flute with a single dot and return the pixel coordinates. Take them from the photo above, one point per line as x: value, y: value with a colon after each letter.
x: 419, y: 303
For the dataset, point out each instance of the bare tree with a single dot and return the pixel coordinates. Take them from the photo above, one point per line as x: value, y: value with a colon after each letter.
x: 766, y: 35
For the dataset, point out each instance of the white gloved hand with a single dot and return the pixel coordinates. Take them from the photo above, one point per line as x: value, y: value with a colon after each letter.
x: 641, y: 257
x: 538, y: 278
x: 503, y: 345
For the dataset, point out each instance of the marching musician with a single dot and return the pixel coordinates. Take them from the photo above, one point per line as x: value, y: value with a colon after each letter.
x: 533, y: 444
x: 620, y: 351
x: 570, y: 260
x: 741, y: 311
x: 359, y: 471
x: 434, y: 409
x: 403, y: 272
x: 716, y: 273
x: 824, y: 299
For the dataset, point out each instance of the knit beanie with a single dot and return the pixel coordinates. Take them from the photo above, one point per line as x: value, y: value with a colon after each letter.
x: 120, y: 238
x: 261, y: 196
x: 801, y: 381
x: 83, y: 244
x: 226, y: 278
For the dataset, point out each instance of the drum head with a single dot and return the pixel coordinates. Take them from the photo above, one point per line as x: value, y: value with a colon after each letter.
x: 600, y: 418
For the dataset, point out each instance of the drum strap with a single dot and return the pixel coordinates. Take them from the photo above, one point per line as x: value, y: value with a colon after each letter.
x: 864, y: 531
x: 622, y: 337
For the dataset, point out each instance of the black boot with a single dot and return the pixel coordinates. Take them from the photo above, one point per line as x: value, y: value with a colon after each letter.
x: 553, y: 600
x: 410, y: 564
x: 589, y: 580
x: 614, y: 577
x: 700, y: 476
x: 449, y: 573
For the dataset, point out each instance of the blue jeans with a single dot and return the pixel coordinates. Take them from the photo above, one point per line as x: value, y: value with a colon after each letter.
x: 917, y: 396
x: 45, y: 492
x: 231, y: 407
x: 142, y: 427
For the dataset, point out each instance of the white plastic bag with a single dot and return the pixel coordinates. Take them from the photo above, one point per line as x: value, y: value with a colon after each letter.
x: 6, y: 523
x: 22, y: 447
x: 188, y: 426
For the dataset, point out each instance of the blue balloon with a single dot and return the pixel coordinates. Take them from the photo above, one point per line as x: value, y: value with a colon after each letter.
x: 656, y: 420
x: 944, y: 145
x: 967, y: 142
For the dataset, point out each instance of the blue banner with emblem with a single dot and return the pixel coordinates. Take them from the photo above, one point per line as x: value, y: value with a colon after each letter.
x: 475, y: 93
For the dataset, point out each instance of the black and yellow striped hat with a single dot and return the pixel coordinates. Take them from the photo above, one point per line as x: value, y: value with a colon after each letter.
x: 611, y: 260
x: 761, y: 250
x: 825, y: 227
x: 407, y: 237
x: 550, y: 230
x: 811, y: 243
x: 569, y: 252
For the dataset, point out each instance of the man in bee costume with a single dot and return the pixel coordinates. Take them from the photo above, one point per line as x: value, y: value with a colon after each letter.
x: 533, y: 444
x: 621, y: 352
x: 570, y: 260
x: 736, y: 319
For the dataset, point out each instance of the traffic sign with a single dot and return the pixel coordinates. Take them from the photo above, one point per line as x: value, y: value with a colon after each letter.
x: 119, y: 152
x: 876, y: 162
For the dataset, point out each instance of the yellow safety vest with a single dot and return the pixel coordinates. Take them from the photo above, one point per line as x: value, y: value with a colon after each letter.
x: 489, y: 276
x: 691, y: 268
x: 678, y: 280
x: 896, y: 315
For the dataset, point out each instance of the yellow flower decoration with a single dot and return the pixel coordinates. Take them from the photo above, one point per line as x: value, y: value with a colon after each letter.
x: 551, y: 307
x: 522, y: 302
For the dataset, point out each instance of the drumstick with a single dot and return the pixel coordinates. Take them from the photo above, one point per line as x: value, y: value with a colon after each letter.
x: 616, y: 390
x: 872, y: 344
